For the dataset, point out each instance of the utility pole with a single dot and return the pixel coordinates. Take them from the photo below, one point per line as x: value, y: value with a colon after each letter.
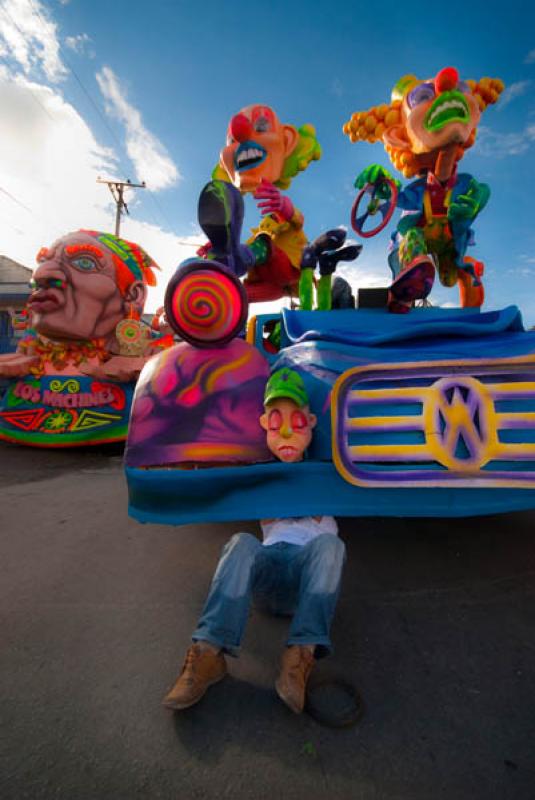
x: 117, y: 190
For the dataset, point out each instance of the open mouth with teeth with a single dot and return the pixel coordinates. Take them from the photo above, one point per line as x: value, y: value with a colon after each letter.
x: 248, y: 156
x: 448, y: 107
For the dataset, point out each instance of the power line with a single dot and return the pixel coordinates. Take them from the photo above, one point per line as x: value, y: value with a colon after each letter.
x: 34, y: 96
x: 84, y: 90
x: 102, y: 117
x: 160, y: 209
x: 118, y: 200
x: 14, y: 199
x: 13, y: 227
x: 190, y: 244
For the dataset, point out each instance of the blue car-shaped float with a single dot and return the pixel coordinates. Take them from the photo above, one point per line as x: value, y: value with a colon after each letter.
x: 431, y: 413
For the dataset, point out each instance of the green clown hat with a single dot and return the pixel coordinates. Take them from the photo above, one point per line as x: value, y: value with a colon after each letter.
x: 286, y: 383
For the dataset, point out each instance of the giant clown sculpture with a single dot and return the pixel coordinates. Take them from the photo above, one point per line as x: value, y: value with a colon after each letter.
x: 426, y: 130
x: 261, y: 157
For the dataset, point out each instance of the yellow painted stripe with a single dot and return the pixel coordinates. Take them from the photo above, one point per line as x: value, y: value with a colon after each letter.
x: 251, y: 331
x: 508, y: 450
x: 514, y: 419
x: 376, y: 423
x: 510, y: 389
x: 415, y: 393
x: 386, y: 452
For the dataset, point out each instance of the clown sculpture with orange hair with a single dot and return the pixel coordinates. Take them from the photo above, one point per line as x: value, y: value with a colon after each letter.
x: 425, y: 130
x: 261, y: 156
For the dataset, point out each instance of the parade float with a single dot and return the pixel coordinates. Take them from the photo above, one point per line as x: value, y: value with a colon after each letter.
x: 430, y: 413
x: 71, y: 380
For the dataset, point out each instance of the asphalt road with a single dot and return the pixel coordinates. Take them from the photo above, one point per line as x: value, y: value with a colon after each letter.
x: 435, y: 627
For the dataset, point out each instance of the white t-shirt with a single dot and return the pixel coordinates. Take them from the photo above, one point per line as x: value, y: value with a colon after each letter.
x: 296, y: 530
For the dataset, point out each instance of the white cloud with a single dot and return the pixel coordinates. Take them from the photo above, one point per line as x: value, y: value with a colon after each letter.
x: 78, y: 43
x: 50, y: 159
x: 29, y: 38
x: 151, y: 161
x: 337, y: 87
x: 530, y: 58
x: 167, y: 249
x: 513, y: 91
x: 521, y: 271
x: 499, y: 145
x: 50, y: 162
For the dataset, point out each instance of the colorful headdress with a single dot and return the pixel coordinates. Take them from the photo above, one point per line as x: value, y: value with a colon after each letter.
x: 132, y: 263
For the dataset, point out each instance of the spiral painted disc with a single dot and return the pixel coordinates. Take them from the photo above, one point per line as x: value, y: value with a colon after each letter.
x: 205, y: 303
x: 129, y: 331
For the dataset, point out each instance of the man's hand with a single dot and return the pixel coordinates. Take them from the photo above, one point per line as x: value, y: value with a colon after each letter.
x: 467, y: 206
x: 272, y: 201
x: 376, y: 175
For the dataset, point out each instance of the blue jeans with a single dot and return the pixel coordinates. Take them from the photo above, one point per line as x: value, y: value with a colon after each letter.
x: 284, y: 579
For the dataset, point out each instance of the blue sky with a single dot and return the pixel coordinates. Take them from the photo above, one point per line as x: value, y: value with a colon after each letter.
x: 145, y: 91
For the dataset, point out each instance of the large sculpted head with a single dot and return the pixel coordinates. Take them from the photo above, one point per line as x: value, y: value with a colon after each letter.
x: 260, y: 147
x: 426, y: 117
x: 86, y: 283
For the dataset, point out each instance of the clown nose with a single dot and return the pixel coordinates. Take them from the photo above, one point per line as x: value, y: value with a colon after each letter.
x: 240, y: 128
x: 446, y: 80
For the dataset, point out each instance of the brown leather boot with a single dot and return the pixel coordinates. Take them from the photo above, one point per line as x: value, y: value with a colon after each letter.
x: 296, y: 666
x: 202, y: 667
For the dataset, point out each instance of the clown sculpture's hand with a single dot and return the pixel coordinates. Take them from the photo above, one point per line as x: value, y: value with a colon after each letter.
x: 375, y: 174
x: 272, y: 201
x: 468, y: 205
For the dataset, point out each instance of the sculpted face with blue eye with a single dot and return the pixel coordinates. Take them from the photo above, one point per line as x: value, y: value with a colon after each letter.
x: 85, y: 263
x: 438, y: 113
x: 75, y: 291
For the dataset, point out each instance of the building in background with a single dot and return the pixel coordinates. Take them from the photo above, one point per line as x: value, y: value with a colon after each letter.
x: 14, y: 292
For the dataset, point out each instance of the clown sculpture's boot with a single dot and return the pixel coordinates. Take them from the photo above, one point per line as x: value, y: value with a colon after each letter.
x: 326, y: 250
x: 417, y: 275
x: 471, y: 292
x: 414, y: 282
x: 220, y: 214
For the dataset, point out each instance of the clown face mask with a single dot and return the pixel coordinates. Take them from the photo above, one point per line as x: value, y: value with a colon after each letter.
x: 439, y: 112
x: 257, y: 147
x: 289, y: 429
